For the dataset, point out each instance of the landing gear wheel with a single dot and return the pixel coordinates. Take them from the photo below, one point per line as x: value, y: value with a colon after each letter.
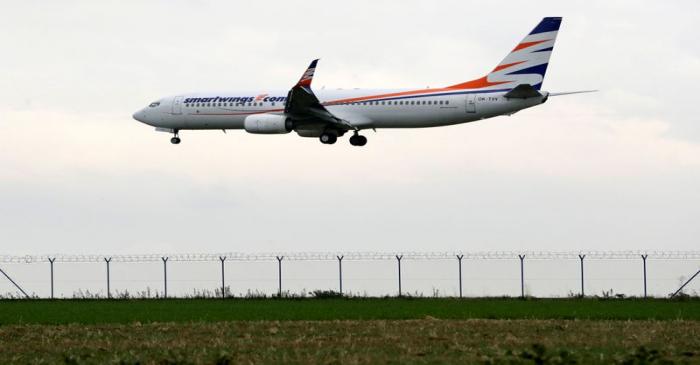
x: 176, y: 137
x: 328, y: 138
x: 358, y: 140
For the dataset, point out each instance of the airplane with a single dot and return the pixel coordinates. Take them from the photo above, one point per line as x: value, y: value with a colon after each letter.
x: 513, y: 85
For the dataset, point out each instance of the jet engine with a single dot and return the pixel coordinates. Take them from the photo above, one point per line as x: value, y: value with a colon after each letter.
x: 268, y: 124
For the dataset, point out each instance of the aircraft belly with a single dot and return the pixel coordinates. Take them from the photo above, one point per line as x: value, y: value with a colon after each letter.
x: 417, y: 119
x: 213, y: 122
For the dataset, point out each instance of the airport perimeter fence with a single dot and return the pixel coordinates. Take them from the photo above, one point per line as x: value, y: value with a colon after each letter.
x: 440, y: 274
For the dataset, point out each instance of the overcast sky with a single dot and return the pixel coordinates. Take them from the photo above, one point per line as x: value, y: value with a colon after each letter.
x: 619, y: 169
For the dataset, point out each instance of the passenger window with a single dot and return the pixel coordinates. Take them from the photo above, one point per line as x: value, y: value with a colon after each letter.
x: 447, y: 102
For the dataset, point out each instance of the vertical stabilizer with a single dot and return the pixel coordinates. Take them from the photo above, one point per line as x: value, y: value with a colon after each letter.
x: 525, y: 64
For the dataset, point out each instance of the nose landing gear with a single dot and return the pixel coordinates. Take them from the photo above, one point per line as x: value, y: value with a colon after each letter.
x: 176, y: 138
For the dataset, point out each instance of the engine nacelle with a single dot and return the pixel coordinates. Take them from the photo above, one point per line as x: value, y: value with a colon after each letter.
x: 268, y: 124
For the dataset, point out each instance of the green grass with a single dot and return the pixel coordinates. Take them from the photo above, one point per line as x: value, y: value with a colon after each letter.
x: 427, y: 341
x: 213, y: 310
x: 359, y: 331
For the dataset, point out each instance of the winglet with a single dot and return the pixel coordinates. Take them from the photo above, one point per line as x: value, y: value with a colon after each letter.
x: 308, y: 76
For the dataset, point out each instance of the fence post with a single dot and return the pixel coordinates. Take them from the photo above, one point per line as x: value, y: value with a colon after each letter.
x: 51, y: 261
x: 522, y: 275
x: 223, y: 283
x: 15, y: 284
x: 165, y: 276
x: 340, y: 273
x: 398, y: 259
x: 686, y: 283
x: 459, y: 259
x: 107, y: 261
x: 644, y: 260
x: 583, y: 293
x: 279, y: 275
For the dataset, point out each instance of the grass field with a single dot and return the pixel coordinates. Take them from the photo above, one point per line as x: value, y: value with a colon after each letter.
x: 355, y: 331
x: 210, y: 310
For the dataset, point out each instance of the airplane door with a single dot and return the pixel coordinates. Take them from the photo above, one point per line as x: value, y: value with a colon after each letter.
x: 177, y: 105
x: 471, y: 103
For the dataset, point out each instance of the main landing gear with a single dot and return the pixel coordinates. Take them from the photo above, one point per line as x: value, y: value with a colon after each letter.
x: 176, y: 138
x: 328, y: 138
x: 358, y: 140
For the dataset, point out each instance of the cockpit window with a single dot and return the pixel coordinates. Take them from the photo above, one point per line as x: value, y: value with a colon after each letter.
x: 154, y: 104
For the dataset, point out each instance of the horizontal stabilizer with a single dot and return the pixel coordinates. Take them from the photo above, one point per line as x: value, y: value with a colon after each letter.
x: 573, y: 92
x: 523, y: 91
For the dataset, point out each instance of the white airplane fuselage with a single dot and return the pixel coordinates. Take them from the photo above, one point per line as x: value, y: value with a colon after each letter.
x: 225, y: 110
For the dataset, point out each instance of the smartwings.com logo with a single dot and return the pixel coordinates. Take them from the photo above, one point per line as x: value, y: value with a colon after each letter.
x: 236, y: 99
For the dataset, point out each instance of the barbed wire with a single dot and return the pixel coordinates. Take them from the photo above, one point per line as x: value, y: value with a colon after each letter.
x: 357, y: 256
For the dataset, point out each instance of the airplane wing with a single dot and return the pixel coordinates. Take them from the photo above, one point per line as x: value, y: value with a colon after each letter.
x: 305, y: 108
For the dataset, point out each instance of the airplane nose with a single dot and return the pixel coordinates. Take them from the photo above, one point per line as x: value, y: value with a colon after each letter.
x: 140, y: 116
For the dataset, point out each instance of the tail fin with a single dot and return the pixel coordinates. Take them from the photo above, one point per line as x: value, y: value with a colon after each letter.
x: 525, y: 64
